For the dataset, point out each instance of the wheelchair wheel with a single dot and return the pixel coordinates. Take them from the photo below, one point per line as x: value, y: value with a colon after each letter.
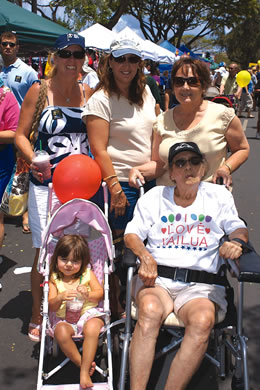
x: 237, y: 383
x: 55, y: 349
x: 48, y: 346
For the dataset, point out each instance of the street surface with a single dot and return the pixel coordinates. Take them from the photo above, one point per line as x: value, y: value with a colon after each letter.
x: 18, y: 355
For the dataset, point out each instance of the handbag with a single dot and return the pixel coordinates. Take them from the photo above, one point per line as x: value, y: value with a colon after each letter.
x: 15, y: 197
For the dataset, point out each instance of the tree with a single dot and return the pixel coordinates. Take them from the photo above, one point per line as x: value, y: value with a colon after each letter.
x: 159, y: 19
x: 242, y: 43
x: 201, y: 44
x: 81, y: 13
x: 168, y: 19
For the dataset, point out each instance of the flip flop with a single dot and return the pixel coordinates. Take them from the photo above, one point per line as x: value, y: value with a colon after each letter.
x: 26, y: 229
x: 34, y: 337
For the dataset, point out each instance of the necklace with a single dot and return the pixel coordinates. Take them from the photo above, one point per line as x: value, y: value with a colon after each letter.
x: 66, y: 98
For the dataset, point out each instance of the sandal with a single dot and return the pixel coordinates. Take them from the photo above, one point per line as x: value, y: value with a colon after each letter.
x: 26, y: 229
x: 34, y: 337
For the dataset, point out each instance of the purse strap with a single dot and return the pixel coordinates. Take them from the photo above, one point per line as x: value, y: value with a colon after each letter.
x: 38, y: 110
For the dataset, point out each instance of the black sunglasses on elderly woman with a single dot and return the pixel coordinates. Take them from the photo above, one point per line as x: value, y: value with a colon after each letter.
x: 131, y: 60
x: 180, y: 163
x: 78, y: 55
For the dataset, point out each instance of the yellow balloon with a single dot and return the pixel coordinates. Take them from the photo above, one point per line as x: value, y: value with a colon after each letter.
x: 243, y: 78
x: 258, y: 62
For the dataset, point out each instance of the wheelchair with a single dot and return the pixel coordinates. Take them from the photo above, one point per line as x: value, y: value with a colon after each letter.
x: 228, y: 344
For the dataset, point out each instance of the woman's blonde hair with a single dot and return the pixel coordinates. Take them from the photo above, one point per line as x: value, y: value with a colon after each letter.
x: 108, y: 84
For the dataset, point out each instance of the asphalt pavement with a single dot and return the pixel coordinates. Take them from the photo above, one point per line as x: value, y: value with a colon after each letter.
x: 19, y: 356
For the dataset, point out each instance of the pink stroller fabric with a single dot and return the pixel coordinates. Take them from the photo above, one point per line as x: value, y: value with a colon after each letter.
x: 77, y: 211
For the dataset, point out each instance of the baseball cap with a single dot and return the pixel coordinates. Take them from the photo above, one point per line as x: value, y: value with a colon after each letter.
x: 121, y: 46
x: 69, y: 39
x: 183, y: 147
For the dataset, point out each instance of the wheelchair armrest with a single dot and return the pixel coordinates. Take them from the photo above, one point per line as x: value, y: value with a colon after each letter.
x: 129, y: 258
x: 249, y: 266
x: 249, y: 263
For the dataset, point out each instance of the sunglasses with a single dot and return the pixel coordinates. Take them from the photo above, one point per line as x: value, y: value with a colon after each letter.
x: 191, y: 81
x: 232, y: 68
x: 11, y: 44
x: 193, y: 161
x: 78, y: 55
x: 131, y: 60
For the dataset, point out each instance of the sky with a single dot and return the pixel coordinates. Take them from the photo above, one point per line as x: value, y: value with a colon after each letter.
x: 126, y: 20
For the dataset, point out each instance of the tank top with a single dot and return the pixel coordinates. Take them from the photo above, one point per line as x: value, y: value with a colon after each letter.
x: 60, y: 287
x: 61, y: 133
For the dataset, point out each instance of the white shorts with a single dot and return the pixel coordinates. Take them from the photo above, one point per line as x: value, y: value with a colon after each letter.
x: 38, y: 211
x: 182, y: 293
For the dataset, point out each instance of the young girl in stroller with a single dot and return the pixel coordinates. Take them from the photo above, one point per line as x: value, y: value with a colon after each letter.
x: 72, y: 279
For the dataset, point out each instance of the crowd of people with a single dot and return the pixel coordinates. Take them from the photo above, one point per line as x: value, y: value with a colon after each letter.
x: 136, y: 124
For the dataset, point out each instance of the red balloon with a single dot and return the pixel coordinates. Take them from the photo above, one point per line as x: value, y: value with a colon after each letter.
x: 76, y: 176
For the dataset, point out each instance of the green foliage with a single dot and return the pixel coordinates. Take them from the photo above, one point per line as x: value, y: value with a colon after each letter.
x: 168, y: 19
x: 222, y: 57
x: 159, y: 19
x: 242, y: 43
x: 201, y: 44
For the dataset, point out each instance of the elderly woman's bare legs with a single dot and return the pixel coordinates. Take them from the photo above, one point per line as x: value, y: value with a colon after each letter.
x: 154, y: 306
x: 198, y: 316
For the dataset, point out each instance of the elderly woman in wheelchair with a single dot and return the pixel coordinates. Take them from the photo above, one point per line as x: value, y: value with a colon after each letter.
x: 180, y: 267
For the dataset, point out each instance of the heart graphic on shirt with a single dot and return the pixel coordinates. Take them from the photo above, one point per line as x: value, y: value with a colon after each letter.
x: 207, y: 230
x: 163, y: 230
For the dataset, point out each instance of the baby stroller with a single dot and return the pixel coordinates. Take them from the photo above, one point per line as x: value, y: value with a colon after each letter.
x: 212, y: 94
x: 82, y: 217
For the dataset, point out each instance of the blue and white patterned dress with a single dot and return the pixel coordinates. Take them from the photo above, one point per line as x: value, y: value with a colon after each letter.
x: 61, y: 132
x: 61, y: 137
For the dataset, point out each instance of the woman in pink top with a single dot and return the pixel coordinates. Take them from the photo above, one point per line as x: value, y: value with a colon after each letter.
x: 9, y: 115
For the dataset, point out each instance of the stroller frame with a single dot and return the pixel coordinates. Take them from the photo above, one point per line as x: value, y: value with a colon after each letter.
x: 230, y: 340
x: 101, y: 225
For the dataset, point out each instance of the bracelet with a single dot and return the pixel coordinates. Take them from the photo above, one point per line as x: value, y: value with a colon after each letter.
x: 113, y: 184
x: 229, y: 166
x: 118, y: 192
x: 109, y: 177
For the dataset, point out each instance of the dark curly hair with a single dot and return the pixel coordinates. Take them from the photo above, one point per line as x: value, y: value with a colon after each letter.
x: 108, y: 84
x: 199, y: 69
x: 71, y: 243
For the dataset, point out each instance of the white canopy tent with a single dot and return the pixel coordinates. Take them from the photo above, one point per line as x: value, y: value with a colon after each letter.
x: 157, y: 53
x: 98, y: 37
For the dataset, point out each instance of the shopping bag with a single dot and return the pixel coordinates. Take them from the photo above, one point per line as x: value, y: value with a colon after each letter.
x: 15, y: 197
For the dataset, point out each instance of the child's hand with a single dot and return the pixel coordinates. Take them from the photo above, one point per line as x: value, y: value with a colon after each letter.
x: 83, y: 290
x: 68, y: 295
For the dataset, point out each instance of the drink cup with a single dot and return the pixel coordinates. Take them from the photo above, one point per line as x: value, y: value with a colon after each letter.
x: 42, y: 160
x: 73, y: 310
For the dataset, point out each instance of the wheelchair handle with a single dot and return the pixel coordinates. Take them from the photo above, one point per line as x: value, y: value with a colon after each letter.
x: 140, y: 185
